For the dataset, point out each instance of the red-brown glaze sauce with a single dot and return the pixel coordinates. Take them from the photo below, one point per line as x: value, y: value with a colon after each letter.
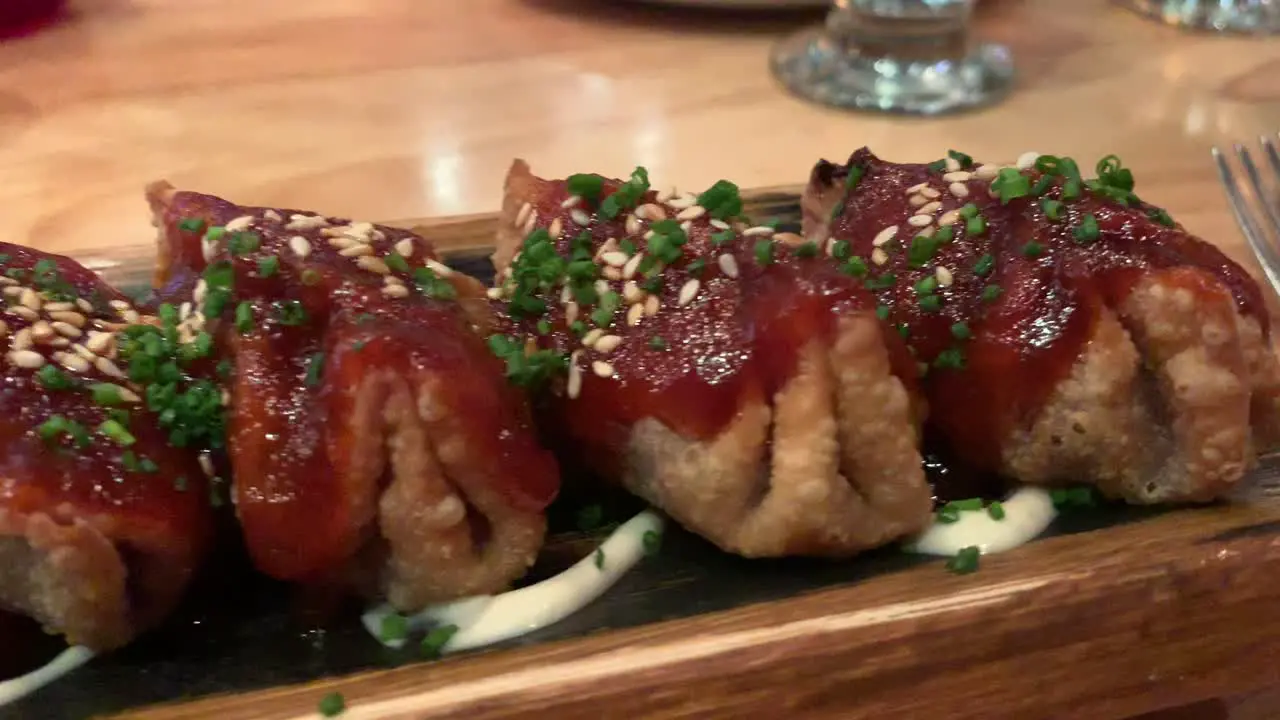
x: 302, y: 511
x: 691, y: 367
x: 167, y: 508
x: 1029, y: 338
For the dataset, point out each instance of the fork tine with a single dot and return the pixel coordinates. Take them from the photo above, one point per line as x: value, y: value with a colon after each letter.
x: 1262, y: 249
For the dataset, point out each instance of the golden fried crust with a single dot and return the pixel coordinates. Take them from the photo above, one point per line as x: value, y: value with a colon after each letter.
x: 69, y: 577
x: 832, y: 468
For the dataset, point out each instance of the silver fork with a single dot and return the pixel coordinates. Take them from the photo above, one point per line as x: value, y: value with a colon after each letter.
x: 1262, y: 231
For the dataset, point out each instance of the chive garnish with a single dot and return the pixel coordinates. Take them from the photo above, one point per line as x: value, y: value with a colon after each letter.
x: 657, y: 343
x: 332, y: 705
x: 191, y: 224
x: 652, y: 542
x: 268, y: 266
x: 947, y: 515
x: 599, y: 558
x: 991, y: 293
x: 1161, y: 217
x: 696, y: 267
x: 882, y: 282
x: 434, y: 286
x: 721, y: 200
x: 527, y: 370
x: 1052, y: 208
x: 117, y: 432
x: 244, y: 317
x: 543, y: 327
x: 436, y: 640
x: 806, y: 249
x: 968, y: 210
x: 626, y: 196
x: 1087, y: 231
x: 723, y: 237
x: 951, y: 358
x: 243, y: 243
x: 930, y: 303
x: 855, y: 266
x: 590, y: 517
x: 965, y: 561
x: 1032, y: 249
x: 396, y: 262
x: 290, y: 312
x: 315, y: 369
x: 394, y: 627
x: 983, y: 266
x: 882, y: 312
x: 53, y: 378
x: 764, y: 252
x: 841, y: 249
x: 960, y: 331
x: 587, y: 186
x: 966, y: 161
x: 996, y: 510
x: 1010, y: 183
x: 927, y: 285
x: 975, y: 225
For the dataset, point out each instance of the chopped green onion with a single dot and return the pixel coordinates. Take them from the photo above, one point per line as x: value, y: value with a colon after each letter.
x: 53, y: 378
x: 1087, y: 231
x: 764, y: 252
x: 315, y: 369
x: 586, y: 186
x: 965, y: 561
x: 951, y: 359
x: 436, y: 639
x: 882, y: 312
x: 394, y: 627
x: 396, y: 262
x: 975, y: 225
x: 991, y: 293
x: 983, y: 267
x: 806, y: 249
x: 1010, y: 183
x: 599, y: 557
x: 841, y: 249
x: 657, y: 343
x: 721, y: 200
x: 960, y: 331
x: 652, y: 542
x: 191, y: 224
x: 244, y: 317
x: 1032, y: 249
x: 927, y: 285
x: 268, y: 266
x: 930, y: 303
x: 1052, y: 209
x: 996, y: 510
x: 291, y: 312
x: 332, y: 705
x: 855, y: 266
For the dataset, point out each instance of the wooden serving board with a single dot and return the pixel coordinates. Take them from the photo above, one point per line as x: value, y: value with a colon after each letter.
x: 1120, y: 611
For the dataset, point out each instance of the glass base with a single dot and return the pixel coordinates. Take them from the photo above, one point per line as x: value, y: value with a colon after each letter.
x: 1261, y: 17
x: 813, y: 66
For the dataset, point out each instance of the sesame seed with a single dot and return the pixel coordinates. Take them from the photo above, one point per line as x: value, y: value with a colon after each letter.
x: 986, y: 172
x: 565, y: 294
x: 360, y: 228
x: 202, y: 289
x: 612, y: 273
x: 494, y: 293
x: 602, y: 287
x: 306, y: 222
x: 961, y: 176
x: 728, y: 265
x: 272, y: 215
x: 693, y: 212
x: 632, y: 225
x: 667, y: 194
x: 609, y: 245
x: 206, y: 464
x: 758, y: 230
x: 184, y: 310
x: 688, y: 291
x: 68, y: 316
x: 592, y: 336
x: 944, y: 276
x: 395, y: 291
x: 51, y: 307
x: 359, y: 250
x: 99, y: 342
x: 917, y: 188
x: 571, y: 311
x: 951, y: 164
x: 372, y: 264
x: 72, y: 362
x: 342, y: 243
x: 30, y: 298
x: 616, y: 259
x: 633, y: 266
x: 84, y: 305
x: 651, y: 305
x: 26, y: 359
x: 244, y: 222
x: 572, y: 201
x: 209, y: 249
x: 23, y: 312
x: 683, y: 202
x: 4, y: 328
x: 41, y: 331
x: 602, y: 368
x: 330, y: 232
x: 920, y: 220
x: 719, y: 224
x: 686, y: 227
x: 788, y: 238
x: 106, y: 367
x: 949, y: 218
x: 22, y: 339
x: 574, y: 385
x: 607, y: 344
x: 1027, y: 160
x: 885, y: 235
x: 579, y: 217
x: 7, y: 280
x: 555, y: 228
x: 67, y: 329
x: 83, y: 351
x: 929, y: 192
x: 131, y: 316
x: 879, y: 256
x: 119, y: 305
x: 392, y: 280
x: 932, y: 207
x: 959, y: 190
x: 635, y: 313
x: 438, y: 267
x: 530, y: 222
x: 404, y: 247
x: 632, y: 293
x: 13, y: 291
x: 522, y: 217
x: 652, y: 211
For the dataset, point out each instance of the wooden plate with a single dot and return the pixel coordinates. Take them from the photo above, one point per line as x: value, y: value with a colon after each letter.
x: 1119, y: 611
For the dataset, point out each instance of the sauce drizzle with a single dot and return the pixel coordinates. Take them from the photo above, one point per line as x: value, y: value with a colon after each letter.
x: 1028, y: 513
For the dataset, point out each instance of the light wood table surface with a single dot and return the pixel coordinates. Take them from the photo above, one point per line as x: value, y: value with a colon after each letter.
x: 384, y: 109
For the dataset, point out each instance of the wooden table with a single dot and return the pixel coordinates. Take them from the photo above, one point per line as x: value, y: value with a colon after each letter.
x: 390, y: 109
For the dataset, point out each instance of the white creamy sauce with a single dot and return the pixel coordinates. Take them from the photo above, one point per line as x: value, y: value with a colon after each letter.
x: 1027, y: 513
x: 17, y: 688
x: 488, y: 619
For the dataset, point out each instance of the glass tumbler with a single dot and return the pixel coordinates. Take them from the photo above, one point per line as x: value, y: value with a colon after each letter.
x: 913, y: 57
x: 1228, y: 16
